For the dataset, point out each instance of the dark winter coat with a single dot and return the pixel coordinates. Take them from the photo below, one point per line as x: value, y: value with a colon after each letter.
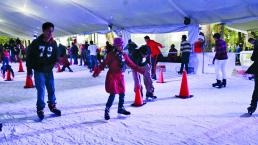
x: 253, y: 69
x: 42, y: 56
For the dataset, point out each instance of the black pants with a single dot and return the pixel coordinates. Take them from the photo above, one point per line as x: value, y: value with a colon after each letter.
x: 185, y: 61
x: 255, y: 92
x: 111, y: 100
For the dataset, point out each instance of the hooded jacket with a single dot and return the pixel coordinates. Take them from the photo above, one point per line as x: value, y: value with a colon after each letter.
x: 41, y: 55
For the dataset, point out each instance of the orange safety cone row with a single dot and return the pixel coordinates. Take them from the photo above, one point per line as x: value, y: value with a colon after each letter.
x: 138, y: 101
x: 184, y: 91
x: 160, y: 79
x: 58, y: 68
x: 28, y: 82
x: 20, y: 66
x: 8, y: 77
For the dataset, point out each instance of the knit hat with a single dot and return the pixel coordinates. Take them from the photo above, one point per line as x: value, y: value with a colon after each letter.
x: 118, y: 42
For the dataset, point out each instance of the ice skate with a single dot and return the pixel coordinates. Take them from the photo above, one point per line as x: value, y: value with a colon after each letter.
x: 123, y: 111
x: 106, y: 115
x: 52, y: 108
x: 251, y: 109
x: 218, y: 84
x: 40, y: 114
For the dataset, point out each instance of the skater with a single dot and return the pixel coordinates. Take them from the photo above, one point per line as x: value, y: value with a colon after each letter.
x: 63, y: 58
x: 93, y: 56
x: 220, y: 60
x: 6, y: 68
x: 253, y: 69
x: 141, y: 57
x: 116, y: 61
x: 185, y: 51
x: 155, y: 53
x: 41, y: 57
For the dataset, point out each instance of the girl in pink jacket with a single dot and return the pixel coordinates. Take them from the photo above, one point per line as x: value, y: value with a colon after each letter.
x: 116, y: 61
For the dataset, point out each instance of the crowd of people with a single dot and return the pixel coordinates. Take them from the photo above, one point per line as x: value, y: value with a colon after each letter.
x: 43, y: 54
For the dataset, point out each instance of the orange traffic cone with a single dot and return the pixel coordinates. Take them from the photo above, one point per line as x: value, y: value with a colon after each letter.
x: 160, y: 79
x: 138, y: 101
x: 20, y: 66
x: 8, y: 78
x: 184, y: 91
x: 28, y: 82
x: 58, y: 68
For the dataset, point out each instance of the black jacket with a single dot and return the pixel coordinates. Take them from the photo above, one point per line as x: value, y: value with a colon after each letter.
x: 41, y: 56
x: 253, y: 69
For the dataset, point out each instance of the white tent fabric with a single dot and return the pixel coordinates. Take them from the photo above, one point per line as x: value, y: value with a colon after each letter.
x: 23, y: 17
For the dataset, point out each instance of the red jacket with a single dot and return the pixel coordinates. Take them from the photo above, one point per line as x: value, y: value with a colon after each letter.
x: 154, y: 47
x: 115, y: 83
x: 198, y: 46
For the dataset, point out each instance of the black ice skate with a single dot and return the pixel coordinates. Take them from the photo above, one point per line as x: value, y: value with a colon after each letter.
x: 106, y: 115
x: 150, y: 97
x: 224, y: 83
x: 40, y: 114
x: 1, y: 126
x: 123, y: 111
x: 251, y: 109
x: 218, y: 84
x: 52, y: 108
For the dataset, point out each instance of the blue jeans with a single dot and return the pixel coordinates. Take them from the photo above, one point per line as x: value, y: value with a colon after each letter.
x: 111, y: 100
x: 42, y: 80
x: 94, y: 62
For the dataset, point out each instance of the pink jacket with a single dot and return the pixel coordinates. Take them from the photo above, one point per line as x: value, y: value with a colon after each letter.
x: 115, y: 83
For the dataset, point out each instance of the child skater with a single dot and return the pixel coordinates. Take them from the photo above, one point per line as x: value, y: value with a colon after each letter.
x: 116, y: 61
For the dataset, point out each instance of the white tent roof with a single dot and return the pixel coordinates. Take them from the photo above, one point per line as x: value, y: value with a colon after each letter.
x: 23, y: 17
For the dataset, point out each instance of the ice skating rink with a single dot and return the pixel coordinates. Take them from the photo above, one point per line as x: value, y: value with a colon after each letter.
x: 212, y: 117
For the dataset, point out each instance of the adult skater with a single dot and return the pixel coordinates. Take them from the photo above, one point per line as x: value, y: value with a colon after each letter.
x: 253, y: 69
x: 185, y: 48
x: 220, y: 60
x: 116, y: 61
x: 155, y: 53
x: 141, y: 57
x: 41, y: 57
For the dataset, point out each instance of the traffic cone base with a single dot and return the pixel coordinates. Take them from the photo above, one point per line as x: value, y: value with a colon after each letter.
x: 184, y: 97
x: 136, y: 105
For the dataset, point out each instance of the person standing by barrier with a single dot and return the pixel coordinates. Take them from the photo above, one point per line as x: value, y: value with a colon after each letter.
x: 253, y: 69
x: 220, y: 60
x: 155, y: 53
x: 185, y: 51
x: 41, y: 57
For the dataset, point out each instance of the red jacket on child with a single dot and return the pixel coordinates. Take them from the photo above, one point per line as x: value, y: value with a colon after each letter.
x: 115, y: 83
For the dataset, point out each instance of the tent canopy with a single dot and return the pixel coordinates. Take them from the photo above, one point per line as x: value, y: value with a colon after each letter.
x: 22, y: 18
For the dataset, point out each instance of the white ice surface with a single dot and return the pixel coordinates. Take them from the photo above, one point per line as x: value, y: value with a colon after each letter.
x: 212, y: 116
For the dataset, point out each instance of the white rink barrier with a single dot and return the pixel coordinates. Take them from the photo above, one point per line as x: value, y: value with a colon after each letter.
x: 201, y: 63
